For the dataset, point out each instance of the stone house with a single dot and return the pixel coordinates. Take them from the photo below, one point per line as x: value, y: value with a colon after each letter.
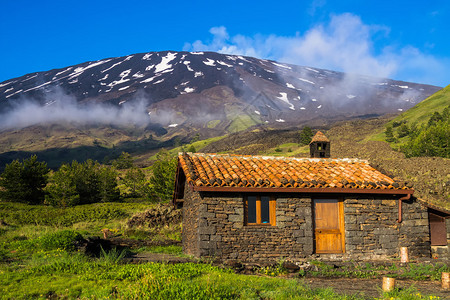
x: 263, y: 208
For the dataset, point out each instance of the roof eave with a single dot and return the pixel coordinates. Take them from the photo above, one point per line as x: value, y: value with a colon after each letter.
x: 302, y: 190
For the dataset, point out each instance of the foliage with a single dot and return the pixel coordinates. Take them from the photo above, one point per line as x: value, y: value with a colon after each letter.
x: 84, y: 183
x: 409, y: 293
x: 65, y: 240
x: 306, y: 135
x: 431, y: 139
x: 162, y: 180
x: 403, y: 131
x: 113, y: 256
x: 274, y: 270
x: 124, y: 161
x: 136, y: 182
x: 24, y: 181
x: 389, y: 134
x: 22, y: 214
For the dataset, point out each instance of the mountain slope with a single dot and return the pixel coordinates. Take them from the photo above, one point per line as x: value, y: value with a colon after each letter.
x: 214, y: 91
x: 422, y: 111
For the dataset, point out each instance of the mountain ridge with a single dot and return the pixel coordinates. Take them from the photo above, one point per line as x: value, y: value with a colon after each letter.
x: 208, y: 90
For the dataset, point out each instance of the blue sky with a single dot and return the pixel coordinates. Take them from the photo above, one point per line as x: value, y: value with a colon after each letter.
x: 403, y: 40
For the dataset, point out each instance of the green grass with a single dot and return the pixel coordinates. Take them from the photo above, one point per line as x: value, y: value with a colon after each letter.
x: 421, y: 112
x: 23, y: 214
x: 412, y: 271
x: 213, y: 123
x: 40, y: 261
x: 198, y: 145
x: 241, y: 122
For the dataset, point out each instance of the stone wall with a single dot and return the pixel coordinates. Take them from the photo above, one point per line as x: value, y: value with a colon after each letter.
x: 189, y: 234
x: 371, y: 228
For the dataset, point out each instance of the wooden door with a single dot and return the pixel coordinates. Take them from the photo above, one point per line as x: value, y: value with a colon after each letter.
x: 438, y: 232
x: 329, y: 226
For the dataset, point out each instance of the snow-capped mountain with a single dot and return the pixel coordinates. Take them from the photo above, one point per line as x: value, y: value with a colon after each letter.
x: 217, y: 91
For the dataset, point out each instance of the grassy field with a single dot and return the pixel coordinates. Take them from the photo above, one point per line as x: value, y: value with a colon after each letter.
x: 39, y: 259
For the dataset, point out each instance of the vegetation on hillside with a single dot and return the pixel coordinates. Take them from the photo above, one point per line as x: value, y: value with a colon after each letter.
x: 431, y: 138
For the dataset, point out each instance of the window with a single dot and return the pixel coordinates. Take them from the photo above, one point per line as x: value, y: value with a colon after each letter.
x: 260, y: 210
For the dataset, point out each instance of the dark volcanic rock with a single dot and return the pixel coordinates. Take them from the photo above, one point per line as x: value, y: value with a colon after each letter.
x: 211, y: 90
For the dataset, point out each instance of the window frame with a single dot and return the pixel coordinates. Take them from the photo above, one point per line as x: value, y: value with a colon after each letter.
x: 272, y: 210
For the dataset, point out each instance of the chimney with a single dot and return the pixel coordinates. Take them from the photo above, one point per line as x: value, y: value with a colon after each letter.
x: 319, y: 146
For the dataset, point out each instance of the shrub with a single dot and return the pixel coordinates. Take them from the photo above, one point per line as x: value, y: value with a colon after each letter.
x: 65, y: 240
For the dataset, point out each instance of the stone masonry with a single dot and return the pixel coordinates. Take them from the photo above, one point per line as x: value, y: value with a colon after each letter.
x: 213, y: 226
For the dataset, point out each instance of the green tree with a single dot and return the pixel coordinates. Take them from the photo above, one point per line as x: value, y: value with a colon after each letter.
x: 124, y: 161
x: 389, y: 134
x: 306, y: 135
x: 24, y: 181
x: 84, y: 183
x: 61, y: 189
x: 108, y: 189
x: 431, y: 141
x: 162, y: 180
x: 136, y: 182
x: 403, y: 131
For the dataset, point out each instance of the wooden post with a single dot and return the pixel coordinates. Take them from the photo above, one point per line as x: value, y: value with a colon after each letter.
x: 445, y: 280
x: 388, y: 284
x: 404, y: 254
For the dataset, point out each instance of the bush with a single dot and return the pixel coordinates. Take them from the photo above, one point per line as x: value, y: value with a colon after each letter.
x: 64, y: 240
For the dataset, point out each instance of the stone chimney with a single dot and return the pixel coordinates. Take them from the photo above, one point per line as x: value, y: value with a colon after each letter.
x: 319, y: 146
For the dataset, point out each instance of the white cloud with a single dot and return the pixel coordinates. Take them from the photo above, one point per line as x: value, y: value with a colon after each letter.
x: 345, y: 44
x: 61, y: 107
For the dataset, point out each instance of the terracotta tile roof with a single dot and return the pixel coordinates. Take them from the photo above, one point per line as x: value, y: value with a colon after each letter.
x: 224, y: 170
x: 319, y: 137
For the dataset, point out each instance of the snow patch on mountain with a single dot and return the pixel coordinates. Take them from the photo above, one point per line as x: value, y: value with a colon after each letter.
x: 306, y: 80
x: 147, y: 56
x: 282, y: 66
x: 164, y: 66
x: 138, y: 75
x: 186, y: 63
x: 210, y: 62
x: 224, y: 64
x: 283, y: 97
x: 114, y: 65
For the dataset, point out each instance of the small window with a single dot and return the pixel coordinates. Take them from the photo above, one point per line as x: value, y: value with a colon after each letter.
x: 260, y: 210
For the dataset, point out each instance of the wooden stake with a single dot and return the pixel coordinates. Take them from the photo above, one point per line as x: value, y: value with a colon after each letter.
x: 404, y: 254
x: 388, y: 284
x: 445, y: 280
